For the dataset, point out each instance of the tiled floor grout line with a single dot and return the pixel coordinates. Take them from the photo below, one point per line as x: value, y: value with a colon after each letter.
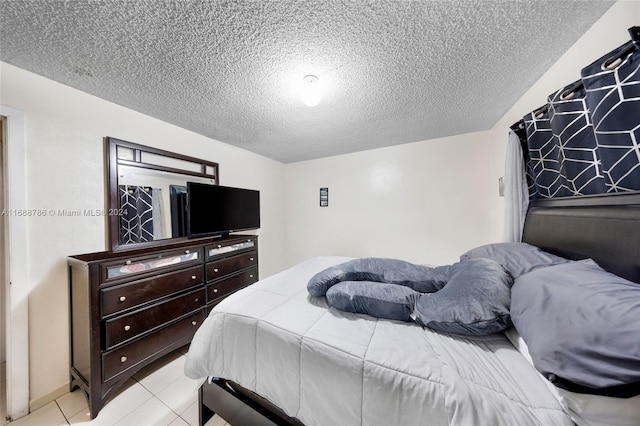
x: 153, y: 395
x: 61, y: 412
x: 163, y: 403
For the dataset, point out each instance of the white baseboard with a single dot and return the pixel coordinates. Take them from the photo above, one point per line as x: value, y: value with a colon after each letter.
x: 34, y: 404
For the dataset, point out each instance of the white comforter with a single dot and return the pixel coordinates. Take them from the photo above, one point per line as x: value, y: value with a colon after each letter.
x: 326, y: 367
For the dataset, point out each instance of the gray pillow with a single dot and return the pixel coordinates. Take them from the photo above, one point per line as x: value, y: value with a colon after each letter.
x: 475, y: 300
x: 581, y: 326
x: 517, y: 258
x: 380, y: 300
x: 421, y: 278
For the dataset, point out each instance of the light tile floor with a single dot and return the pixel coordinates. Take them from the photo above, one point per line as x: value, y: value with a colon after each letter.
x: 158, y: 395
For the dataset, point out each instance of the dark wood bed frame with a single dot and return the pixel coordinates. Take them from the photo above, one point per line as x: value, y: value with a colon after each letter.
x: 605, y: 228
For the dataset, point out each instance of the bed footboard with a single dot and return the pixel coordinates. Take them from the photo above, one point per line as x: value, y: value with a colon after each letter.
x: 239, y: 406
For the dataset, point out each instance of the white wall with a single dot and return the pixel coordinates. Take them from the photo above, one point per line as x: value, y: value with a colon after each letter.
x: 420, y: 202
x: 65, y: 170
x: 427, y: 201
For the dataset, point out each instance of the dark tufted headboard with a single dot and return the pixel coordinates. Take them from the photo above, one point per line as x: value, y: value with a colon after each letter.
x: 605, y: 228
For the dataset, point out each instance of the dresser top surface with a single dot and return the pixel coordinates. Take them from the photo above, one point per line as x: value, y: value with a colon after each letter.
x: 166, y: 246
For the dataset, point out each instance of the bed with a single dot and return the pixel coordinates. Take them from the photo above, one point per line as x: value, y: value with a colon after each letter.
x: 272, y: 354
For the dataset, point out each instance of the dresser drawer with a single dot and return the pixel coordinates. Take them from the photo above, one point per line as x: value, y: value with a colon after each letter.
x: 126, y: 327
x: 128, y: 356
x: 220, y: 268
x: 227, y: 248
x: 224, y: 287
x: 118, y: 298
x: 129, y: 268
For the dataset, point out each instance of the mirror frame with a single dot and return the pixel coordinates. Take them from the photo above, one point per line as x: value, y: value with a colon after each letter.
x: 112, y: 198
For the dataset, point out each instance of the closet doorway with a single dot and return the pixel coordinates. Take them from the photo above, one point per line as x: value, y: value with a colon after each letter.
x: 14, y: 266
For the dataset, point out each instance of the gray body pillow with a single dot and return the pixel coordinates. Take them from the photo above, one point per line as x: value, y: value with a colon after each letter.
x: 380, y: 300
x: 474, y: 299
x: 517, y: 258
x: 420, y: 278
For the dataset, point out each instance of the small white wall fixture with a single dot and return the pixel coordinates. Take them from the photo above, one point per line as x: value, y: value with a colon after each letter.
x: 16, y: 252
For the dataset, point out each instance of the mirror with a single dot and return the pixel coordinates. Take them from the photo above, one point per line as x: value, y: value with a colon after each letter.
x: 146, y: 190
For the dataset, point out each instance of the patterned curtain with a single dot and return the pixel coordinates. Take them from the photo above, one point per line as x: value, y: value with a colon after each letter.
x: 136, y: 222
x: 586, y: 139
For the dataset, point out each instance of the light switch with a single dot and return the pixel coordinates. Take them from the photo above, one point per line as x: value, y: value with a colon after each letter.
x: 501, y: 186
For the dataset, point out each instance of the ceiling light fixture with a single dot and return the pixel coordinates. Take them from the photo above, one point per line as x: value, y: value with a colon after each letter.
x: 311, y: 91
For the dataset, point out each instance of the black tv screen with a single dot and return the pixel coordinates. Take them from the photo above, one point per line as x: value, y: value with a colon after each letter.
x: 218, y: 210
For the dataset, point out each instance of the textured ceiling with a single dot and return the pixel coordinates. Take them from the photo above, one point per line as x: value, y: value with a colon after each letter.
x: 392, y: 71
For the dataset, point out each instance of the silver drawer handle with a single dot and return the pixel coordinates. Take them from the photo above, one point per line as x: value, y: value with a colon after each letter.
x: 193, y: 323
x: 187, y: 252
x: 193, y: 277
x: 127, y: 327
x: 251, y: 258
x: 123, y: 359
x: 251, y: 276
x: 215, y: 270
x: 128, y: 262
x: 123, y: 298
x: 215, y: 290
x: 197, y: 299
x: 219, y: 246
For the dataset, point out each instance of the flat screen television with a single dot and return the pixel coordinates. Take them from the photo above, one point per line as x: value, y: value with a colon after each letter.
x: 220, y: 210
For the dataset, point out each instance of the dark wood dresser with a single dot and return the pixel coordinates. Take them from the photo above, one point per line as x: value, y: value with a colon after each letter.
x: 129, y: 308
